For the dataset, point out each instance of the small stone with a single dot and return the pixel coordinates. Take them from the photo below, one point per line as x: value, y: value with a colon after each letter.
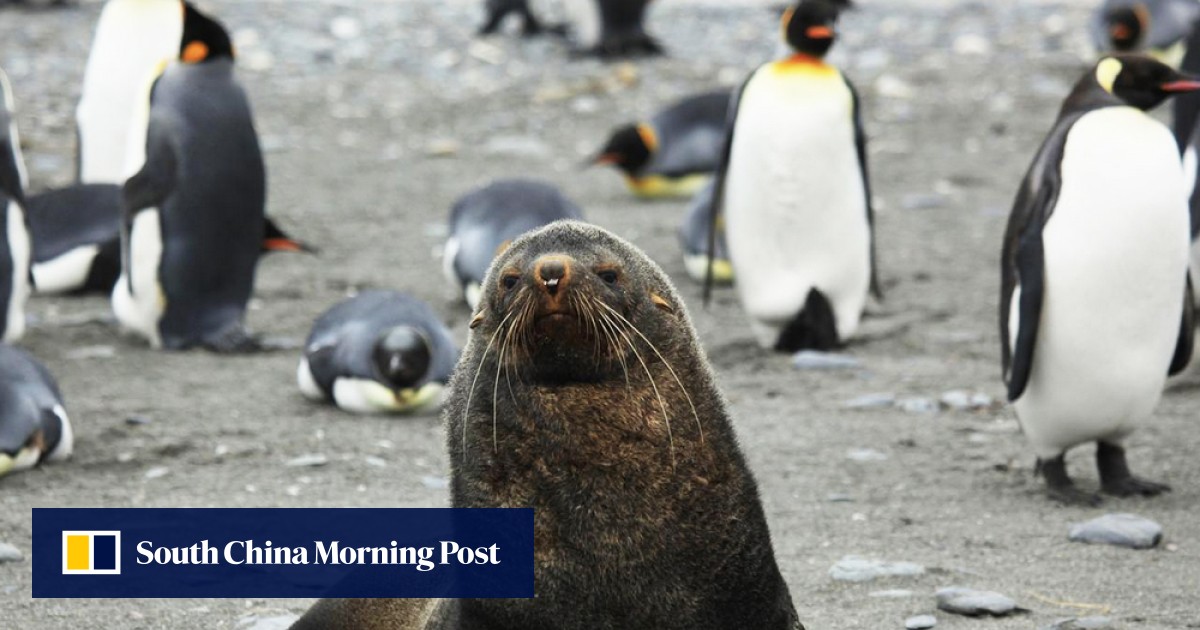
x: 1121, y: 530
x: 435, y: 483
x: 377, y: 462
x: 92, y: 352
x: 345, y: 27
x: 442, y: 148
x: 958, y: 400
x: 972, y: 44
x: 973, y: 603
x: 9, y: 553
x: 922, y: 201
x: 918, y: 405
x: 1081, y: 623
x: 137, y: 421
x: 920, y: 622
x: 292, y: 491
x: 982, y: 401
x: 872, y: 401
x: 860, y: 569
x: 308, y: 461
x: 891, y: 87
x: 157, y: 472
x: 894, y: 593
x: 839, y: 497
x: 865, y: 455
x: 262, y: 622
x: 814, y: 360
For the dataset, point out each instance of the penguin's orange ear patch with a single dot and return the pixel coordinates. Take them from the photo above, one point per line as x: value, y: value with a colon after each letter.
x: 661, y: 303
x: 194, y: 52
x: 786, y: 21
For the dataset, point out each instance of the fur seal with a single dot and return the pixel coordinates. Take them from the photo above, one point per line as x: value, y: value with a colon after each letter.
x: 584, y: 393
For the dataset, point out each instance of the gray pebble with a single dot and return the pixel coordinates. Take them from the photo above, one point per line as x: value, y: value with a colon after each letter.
x: 1081, y: 623
x: 839, y: 497
x: 922, y: 201
x: 860, y: 569
x: 435, y: 483
x: 895, y: 593
x: 1122, y: 530
x: 262, y: 622
x: 920, y: 622
x: 308, y: 461
x: 813, y: 360
x: 918, y: 405
x: 865, y: 455
x: 872, y: 401
x: 9, y: 553
x: 958, y: 400
x: 973, y: 603
x: 137, y: 421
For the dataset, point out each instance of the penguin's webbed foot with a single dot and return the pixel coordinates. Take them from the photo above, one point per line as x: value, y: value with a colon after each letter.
x: 1060, y: 488
x: 1115, y: 478
x: 633, y: 44
x: 234, y: 340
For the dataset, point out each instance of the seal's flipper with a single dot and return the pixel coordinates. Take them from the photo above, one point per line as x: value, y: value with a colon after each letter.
x: 814, y: 328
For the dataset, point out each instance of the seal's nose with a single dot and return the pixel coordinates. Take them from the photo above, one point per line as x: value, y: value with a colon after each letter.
x: 553, y: 271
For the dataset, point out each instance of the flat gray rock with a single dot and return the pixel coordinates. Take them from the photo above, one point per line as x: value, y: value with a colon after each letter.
x: 262, y: 622
x: 9, y: 553
x: 1081, y: 623
x: 860, y: 569
x: 872, y: 401
x: 1121, y: 530
x: 813, y: 360
x: 920, y: 622
x: 973, y: 603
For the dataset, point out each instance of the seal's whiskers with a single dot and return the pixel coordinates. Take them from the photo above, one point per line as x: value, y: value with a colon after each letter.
x: 475, y: 380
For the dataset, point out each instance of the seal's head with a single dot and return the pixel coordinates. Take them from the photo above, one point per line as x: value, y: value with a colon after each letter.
x: 573, y: 303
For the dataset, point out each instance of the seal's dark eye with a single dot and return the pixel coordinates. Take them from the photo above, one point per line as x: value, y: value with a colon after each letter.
x: 608, y: 276
x: 510, y: 280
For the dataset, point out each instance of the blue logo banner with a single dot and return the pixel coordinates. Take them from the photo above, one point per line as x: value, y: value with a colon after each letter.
x: 262, y: 552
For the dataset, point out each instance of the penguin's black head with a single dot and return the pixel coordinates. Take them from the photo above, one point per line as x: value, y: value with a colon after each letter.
x: 204, y: 39
x: 811, y: 26
x: 629, y: 148
x: 1126, y: 26
x: 1140, y: 81
x: 402, y: 356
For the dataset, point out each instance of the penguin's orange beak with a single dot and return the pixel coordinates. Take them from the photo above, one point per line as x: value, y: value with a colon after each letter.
x: 1184, y: 85
x: 607, y: 159
x: 819, y: 32
x: 1119, y: 32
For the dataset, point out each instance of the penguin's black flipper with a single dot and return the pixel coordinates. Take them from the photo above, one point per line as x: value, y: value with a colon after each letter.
x: 860, y: 143
x: 1187, y: 332
x: 10, y: 171
x: 717, y: 207
x: 149, y: 187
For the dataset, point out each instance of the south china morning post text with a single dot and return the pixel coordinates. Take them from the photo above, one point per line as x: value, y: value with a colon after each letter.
x: 275, y: 552
x: 238, y: 552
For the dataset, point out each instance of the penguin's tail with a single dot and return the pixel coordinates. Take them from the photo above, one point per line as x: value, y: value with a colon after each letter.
x: 813, y: 328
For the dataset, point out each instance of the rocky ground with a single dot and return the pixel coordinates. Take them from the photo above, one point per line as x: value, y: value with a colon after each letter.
x: 376, y: 115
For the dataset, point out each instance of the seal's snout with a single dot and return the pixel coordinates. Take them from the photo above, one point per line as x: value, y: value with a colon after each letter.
x: 552, y: 273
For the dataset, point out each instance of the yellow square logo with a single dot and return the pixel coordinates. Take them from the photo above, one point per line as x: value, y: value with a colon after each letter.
x: 91, y: 553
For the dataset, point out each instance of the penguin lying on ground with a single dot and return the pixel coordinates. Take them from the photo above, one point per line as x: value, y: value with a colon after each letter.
x: 380, y: 351
x: 606, y: 28
x: 674, y: 152
x: 132, y: 38
x: 77, y: 239
x: 693, y: 237
x: 34, y: 426
x: 194, y: 214
x: 484, y: 221
x: 795, y: 193
x: 1096, y: 303
x: 14, y: 246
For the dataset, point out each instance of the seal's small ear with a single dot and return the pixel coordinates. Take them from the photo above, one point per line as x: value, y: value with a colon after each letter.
x: 662, y: 303
x: 476, y: 321
x: 502, y: 247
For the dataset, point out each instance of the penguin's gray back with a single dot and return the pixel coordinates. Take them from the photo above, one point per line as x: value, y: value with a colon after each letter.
x: 691, y: 134
x: 30, y: 401
x: 482, y: 221
x: 353, y: 326
x: 212, y: 223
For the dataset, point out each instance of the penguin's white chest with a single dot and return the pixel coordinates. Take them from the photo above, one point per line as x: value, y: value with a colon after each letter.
x: 132, y: 38
x: 140, y: 309
x: 795, y: 200
x: 1116, y: 258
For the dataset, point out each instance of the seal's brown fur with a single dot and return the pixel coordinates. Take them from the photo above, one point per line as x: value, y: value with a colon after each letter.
x: 584, y: 394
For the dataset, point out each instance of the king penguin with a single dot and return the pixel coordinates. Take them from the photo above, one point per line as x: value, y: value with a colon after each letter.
x: 194, y: 212
x: 15, y: 247
x: 484, y: 221
x: 795, y: 194
x: 379, y: 351
x: 34, y: 426
x: 132, y: 38
x: 1095, y: 306
x: 675, y: 151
